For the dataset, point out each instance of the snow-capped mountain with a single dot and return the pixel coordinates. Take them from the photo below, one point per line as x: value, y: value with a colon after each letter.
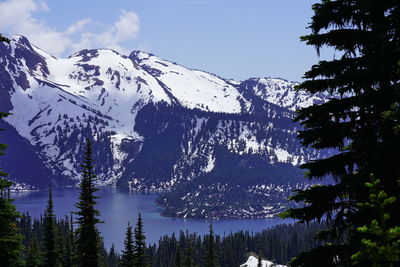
x: 156, y: 125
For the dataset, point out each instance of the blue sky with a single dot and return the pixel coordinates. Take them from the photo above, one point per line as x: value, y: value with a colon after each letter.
x: 233, y: 39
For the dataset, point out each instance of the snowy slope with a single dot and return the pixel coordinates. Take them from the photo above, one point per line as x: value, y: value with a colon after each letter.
x: 253, y: 261
x: 155, y: 124
x: 280, y: 92
x: 92, y: 83
x: 193, y: 88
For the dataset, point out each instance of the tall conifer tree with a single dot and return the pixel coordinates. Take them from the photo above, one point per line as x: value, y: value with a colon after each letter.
x: 34, y: 255
x: 211, y: 258
x: 112, y: 260
x: 363, y: 82
x: 140, y: 244
x: 127, y: 257
x: 178, y: 258
x: 88, y: 241
x: 188, y: 259
x: 50, y: 244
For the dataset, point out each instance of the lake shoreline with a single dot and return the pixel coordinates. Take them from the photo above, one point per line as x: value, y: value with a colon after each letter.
x: 117, y: 208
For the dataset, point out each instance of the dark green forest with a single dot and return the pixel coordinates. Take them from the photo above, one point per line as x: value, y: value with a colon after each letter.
x: 279, y: 244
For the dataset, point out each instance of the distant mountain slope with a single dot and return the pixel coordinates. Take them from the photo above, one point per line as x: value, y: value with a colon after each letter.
x: 156, y: 125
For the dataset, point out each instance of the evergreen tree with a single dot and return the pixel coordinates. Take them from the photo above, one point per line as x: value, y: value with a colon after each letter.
x: 382, y: 247
x: 210, y: 260
x: 88, y: 241
x: 140, y: 244
x: 70, y: 243
x: 34, y: 255
x: 127, y: 257
x: 112, y: 260
x: 50, y: 244
x: 178, y: 258
x: 11, y: 246
x: 188, y: 260
x: 364, y: 86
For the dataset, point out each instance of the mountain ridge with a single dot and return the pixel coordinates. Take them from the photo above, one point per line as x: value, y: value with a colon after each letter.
x: 155, y: 124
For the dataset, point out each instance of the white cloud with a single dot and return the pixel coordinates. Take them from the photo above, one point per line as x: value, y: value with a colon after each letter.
x: 127, y: 26
x: 18, y: 17
x: 77, y: 26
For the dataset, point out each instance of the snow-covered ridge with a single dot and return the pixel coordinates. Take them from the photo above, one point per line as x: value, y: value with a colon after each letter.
x: 281, y: 92
x: 56, y: 102
x: 192, y: 88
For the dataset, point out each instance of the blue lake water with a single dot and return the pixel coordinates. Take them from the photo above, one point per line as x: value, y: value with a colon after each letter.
x: 117, y: 208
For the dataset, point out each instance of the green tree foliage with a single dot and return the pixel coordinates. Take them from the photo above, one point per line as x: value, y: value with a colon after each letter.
x: 34, y: 231
x: 140, y: 244
x: 113, y: 258
x: 364, y: 84
x: 88, y: 241
x: 382, y: 247
x: 11, y: 246
x: 178, y: 257
x: 211, y: 258
x: 188, y: 260
x: 69, y: 239
x: 50, y: 244
x: 127, y: 256
x: 230, y: 250
x: 34, y: 257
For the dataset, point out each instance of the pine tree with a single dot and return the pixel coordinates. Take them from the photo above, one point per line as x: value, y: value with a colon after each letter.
x: 364, y: 86
x: 50, y: 244
x: 11, y: 246
x: 188, y: 260
x: 88, y: 241
x: 127, y: 257
x: 112, y: 260
x: 140, y: 244
x: 210, y: 260
x: 70, y: 243
x: 34, y: 255
x: 178, y: 258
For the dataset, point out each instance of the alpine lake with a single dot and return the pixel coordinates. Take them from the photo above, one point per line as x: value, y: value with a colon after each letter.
x: 117, y: 208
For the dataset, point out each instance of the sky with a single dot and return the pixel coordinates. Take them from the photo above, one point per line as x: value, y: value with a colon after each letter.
x: 234, y: 39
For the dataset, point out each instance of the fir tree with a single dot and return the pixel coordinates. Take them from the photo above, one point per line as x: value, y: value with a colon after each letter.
x: 34, y: 255
x: 188, y: 260
x: 382, y: 247
x: 140, y: 244
x: 210, y: 260
x: 127, y: 257
x: 50, y: 244
x: 363, y: 83
x: 88, y: 241
x: 112, y: 260
x: 178, y: 258
x: 69, y: 246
